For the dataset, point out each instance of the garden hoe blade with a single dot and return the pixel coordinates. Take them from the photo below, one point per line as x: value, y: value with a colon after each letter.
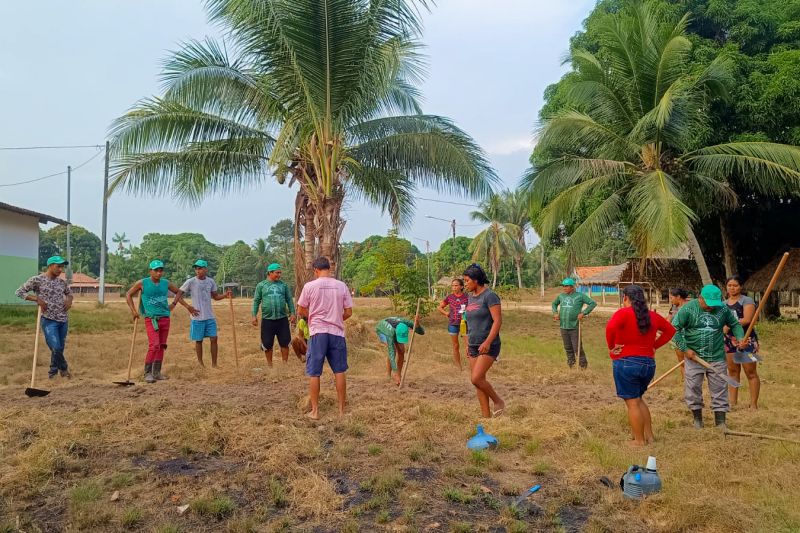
x: 35, y: 393
x: 732, y: 382
x: 124, y: 383
x: 128, y: 382
x: 742, y: 357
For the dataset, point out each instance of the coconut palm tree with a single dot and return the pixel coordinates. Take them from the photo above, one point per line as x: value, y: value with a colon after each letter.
x: 500, y: 240
x: 120, y: 241
x: 630, y: 145
x: 317, y: 93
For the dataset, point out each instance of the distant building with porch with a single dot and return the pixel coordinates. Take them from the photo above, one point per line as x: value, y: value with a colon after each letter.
x: 85, y: 284
x: 19, y: 248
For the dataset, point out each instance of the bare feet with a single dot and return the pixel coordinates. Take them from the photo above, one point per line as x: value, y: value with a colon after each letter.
x: 636, y: 443
x: 313, y: 415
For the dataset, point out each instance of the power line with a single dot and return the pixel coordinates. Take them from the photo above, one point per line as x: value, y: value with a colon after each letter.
x: 443, y: 201
x: 55, y: 147
x: 53, y: 175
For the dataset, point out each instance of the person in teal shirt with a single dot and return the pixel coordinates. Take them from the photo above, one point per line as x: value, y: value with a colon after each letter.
x: 569, y: 307
x: 155, y: 308
x: 277, y: 310
x: 393, y: 334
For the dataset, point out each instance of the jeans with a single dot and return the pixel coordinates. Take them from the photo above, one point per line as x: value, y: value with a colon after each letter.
x: 570, y: 339
x: 632, y: 375
x: 55, y: 335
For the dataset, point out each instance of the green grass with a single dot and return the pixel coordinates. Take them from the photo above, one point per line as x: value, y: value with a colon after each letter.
x: 383, y: 517
x: 218, y: 507
x: 461, y: 527
x: 386, y: 483
x: 80, y: 320
x: 132, y: 517
x: 277, y: 493
x: 374, y: 449
x: 480, y: 458
x: 121, y: 480
x: 85, y: 493
x: 455, y: 495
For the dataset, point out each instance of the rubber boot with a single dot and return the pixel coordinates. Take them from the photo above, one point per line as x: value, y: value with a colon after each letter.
x: 698, y: 418
x: 148, y: 373
x: 719, y: 420
x: 157, y: 371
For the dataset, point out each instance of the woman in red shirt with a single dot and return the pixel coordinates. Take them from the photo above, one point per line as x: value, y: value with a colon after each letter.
x: 632, y: 336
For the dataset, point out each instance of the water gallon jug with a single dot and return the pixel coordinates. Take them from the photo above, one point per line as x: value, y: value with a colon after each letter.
x: 638, y: 483
x: 481, y: 440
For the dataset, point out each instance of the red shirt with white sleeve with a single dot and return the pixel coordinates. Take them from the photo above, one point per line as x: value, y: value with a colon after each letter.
x: 622, y: 329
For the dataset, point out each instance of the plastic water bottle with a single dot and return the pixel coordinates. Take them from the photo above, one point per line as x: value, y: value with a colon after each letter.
x: 481, y: 440
x: 638, y: 483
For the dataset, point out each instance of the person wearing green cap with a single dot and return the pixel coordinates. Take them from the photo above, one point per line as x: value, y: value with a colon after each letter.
x: 569, y: 307
x: 277, y: 310
x: 54, y: 297
x: 393, y: 334
x: 699, y: 326
x: 154, y: 306
x: 202, y: 289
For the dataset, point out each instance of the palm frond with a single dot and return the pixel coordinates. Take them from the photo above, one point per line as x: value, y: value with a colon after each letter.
x: 392, y: 191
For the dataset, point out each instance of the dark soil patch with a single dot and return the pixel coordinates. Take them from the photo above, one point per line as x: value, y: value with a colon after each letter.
x: 420, y: 474
x: 195, y: 466
x: 573, y: 518
x: 349, y: 488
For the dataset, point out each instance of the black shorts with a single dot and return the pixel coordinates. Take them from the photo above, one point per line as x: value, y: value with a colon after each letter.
x: 494, y: 350
x: 271, y: 328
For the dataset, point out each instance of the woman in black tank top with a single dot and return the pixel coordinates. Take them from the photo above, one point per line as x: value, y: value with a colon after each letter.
x: 744, y: 307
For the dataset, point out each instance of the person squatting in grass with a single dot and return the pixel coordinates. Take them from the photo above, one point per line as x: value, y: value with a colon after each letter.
x: 568, y: 309
x: 456, y: 301
x: 326, y: 303
x: 300, y: 340
x: 745, y: 308
x: 699, y: 333
x: 203, y: 323
x: 633, y: 335
x: 153, y: 306
x: 677, y: 299
x: 393, y: 334
x: 277, y: 310
x: 54, y: 297
x: 484, y: 319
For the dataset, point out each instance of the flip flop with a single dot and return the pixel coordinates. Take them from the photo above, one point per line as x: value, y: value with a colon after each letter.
x: 497, y: 413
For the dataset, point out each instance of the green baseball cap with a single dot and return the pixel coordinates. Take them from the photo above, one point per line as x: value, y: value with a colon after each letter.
x: 156, y: 263
x: 202, y: 263
x: 401, y: 333
x: 712, y: 295
x: 57, y: 260
x: 273, y: 267
x: 568, y: 282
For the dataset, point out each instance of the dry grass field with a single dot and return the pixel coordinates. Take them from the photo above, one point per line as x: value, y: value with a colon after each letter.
x: 236, y: 449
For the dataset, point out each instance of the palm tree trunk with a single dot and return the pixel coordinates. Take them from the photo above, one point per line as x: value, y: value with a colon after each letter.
x: 728, y: 246
x: 697, y: 253
x: 541, y: 274
x: 518, y: 261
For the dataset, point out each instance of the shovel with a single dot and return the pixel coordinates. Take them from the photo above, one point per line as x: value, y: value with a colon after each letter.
x: 128, y: 381
x: 741, y: 357
x: 410, y: 345
x: 732, y: 382
x: 525, y: 495
x: 31, y: 392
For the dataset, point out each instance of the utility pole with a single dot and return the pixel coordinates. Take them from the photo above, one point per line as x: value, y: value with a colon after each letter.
x: 541, y: 274
x: 428, y: 249
x: 101, y: 293
x: 453, y: 225
x: 69, y: 226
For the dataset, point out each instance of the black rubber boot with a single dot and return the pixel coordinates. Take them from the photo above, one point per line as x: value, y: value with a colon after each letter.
x: 719, y: 420
x: 157, y: 371
x: 148, y: 373
x: 698, y: 418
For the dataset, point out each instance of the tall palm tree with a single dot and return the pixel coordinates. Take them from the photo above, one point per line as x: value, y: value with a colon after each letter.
x: 317, y: 93
x: 632, y: 140
x: 261, y: 254
x: 120, y: 241
x: 500, y: 240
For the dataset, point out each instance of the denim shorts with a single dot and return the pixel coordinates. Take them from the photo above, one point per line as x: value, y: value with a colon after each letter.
x: 494, y: 350
x: 326, y: 346
x: 632, y: 375
x: 200, y: 329
x: 453, y: 329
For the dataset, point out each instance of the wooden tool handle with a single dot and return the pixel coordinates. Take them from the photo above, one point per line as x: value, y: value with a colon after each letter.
x: 766, y: 294
x: 36, y: 343
x: 133, y: 342
x: 665, y: 374
x: 699, y: 360
x: 233, y: 330
x: 410, y: 344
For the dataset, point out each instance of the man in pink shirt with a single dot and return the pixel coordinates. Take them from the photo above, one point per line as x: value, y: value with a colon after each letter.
x: 326, y: 303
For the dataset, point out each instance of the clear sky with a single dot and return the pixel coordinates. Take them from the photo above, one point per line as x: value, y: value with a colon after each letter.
x: 67, y: 69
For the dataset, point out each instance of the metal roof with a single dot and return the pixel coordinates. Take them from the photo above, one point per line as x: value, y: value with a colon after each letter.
x: 43, y: 219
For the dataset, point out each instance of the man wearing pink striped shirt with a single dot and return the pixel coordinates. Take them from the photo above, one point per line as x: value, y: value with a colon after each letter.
x: 326, y: 303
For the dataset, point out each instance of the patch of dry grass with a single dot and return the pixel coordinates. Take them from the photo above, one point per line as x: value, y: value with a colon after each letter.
x: 234, y: 445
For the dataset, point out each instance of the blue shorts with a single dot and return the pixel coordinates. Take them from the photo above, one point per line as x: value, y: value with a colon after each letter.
x: 326, y: 346
x: 453, y: 329
x: 632, y: 375
x: 200, y: 329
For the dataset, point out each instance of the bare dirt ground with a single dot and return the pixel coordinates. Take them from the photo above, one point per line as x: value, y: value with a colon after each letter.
x: 235, y: 447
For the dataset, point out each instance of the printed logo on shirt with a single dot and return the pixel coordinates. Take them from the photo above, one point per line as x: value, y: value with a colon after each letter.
x: 708, y: 322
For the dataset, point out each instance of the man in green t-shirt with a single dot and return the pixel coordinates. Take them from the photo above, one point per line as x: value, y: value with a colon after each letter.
x: 277, y: 310
x: 393, y: 334
x: 699, y: 327
x: 568, y: 309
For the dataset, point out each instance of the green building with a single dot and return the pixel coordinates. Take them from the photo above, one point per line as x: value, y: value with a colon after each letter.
x: 19, y: 248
